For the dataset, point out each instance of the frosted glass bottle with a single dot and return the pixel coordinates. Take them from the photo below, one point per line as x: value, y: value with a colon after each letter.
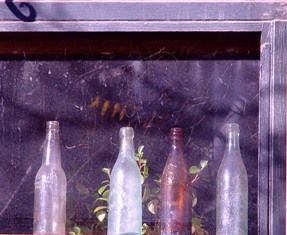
x: 175, y: 190
x: 125, y: 202
x: 50, y: 187
x: 232, y: 188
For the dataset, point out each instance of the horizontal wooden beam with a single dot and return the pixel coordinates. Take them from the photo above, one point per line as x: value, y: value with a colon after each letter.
x: 141, y: 10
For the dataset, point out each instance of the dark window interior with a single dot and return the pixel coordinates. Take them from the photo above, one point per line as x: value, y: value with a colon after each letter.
x: 95, y: 83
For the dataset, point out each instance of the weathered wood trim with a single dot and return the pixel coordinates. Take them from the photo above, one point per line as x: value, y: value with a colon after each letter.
x: 141, y: 10
x: 277, y: 165
x: 263, y: 150
x: 135, y: 26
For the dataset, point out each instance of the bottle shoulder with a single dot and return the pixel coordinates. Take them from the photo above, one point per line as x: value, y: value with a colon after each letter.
x: 175, y: 162
x: 51, y: 172
x: 232, y: 167
x: 126, y: 166
x: 175, y: 173
x: 125, y: 162
x: 124, y: 171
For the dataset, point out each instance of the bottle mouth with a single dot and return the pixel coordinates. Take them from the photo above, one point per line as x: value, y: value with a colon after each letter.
x: 176, y: 132
x: 127, y: 132
x: 52, y: 125
x: 231, y: 127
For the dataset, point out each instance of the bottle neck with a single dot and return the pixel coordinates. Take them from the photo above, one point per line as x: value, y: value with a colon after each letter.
x: 176, y: 144
x: 52, y: 151
x: 176, y: 135
x: 127, y: 143
x: 233, y: 140
x: 127, y: 147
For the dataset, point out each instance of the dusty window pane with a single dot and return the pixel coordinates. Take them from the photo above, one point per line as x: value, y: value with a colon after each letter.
x: 93, y: 98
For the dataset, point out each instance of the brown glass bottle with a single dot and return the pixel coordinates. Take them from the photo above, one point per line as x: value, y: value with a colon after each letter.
x: 175, y: 192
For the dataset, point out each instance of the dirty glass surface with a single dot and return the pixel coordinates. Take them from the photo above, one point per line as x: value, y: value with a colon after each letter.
x: 93, y: 96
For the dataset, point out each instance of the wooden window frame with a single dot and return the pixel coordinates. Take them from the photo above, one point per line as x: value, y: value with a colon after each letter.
x: 269, y: 18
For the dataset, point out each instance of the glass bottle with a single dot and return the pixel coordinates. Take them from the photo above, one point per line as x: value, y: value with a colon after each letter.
x: 125, y: 202
x: 50, y: 187
x: 175, y: 191
x: 232, y: 188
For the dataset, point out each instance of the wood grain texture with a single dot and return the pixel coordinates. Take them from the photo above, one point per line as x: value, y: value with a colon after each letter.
x: 263, y: 153
x: 278, y: 130
x: 130, y: 26
x: 146, y: 10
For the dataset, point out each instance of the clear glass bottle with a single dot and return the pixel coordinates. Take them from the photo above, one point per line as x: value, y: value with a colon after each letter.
x: 50, y: 187
x: 232, y: 188
x: 125, y: 199
x: 175, y: 191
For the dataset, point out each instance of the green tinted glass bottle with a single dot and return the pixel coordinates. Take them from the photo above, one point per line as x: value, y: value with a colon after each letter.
x: 125, y: 199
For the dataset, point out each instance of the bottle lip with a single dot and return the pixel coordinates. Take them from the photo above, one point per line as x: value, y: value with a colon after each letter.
x: 52, y: 125
x: 176, y: 132
x: 127, y: 132
x: 231, y: 127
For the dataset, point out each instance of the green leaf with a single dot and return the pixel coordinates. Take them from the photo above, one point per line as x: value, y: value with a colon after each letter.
x: 72, y: 233
x: 77, y: 230
x: 90, y: 207
x: 102, y: 199
x: 106, y: 194
x: 196, y: 221
x: 86, y: 230
x: 101, y: 215
x: 142, y: 179
x: 155, y: 191
x: 194, y: 201
x: 158, y: 181
x: 197, y: 226
x: 146, y: 193
x: 192, y: 229
x: 107, y: 171
x: 100, y: 208
x: 137, y: 158
x: 145, y: 171
x: 203, y: 163
x: 82, y: 189
x: 194, y: 170
x: 140, y: 149
x: 152, y: 206
x: 144, y: 228
x: 102, y: 189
